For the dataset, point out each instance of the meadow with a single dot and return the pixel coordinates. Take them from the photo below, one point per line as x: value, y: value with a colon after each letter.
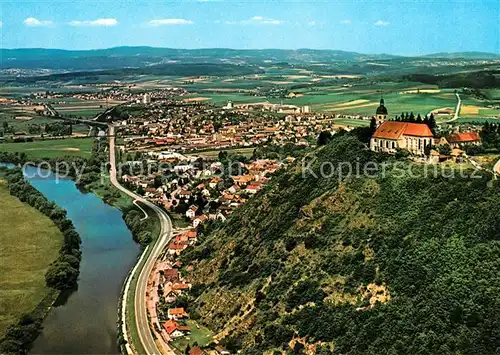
x: 52, y: 148
x: 82, y: 108
x: 30, y: 242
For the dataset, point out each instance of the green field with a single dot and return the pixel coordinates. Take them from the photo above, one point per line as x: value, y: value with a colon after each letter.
x: 30, y: 242
x: 52, y: 148
x: 23, y: 125
x: 326, y: 95
x: 352, y: 123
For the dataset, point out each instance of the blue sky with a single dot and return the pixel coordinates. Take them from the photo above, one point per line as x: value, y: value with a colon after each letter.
x: 382, y: 26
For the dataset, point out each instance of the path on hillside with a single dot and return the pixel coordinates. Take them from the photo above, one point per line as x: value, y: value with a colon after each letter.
x: 141, y: 313
x: 457, y: 109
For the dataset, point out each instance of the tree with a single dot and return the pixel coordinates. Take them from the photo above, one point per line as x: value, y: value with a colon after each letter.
x: 373, y: 125
x: 324, y: 138
x: 158, y: 181
x: 444, y: 149
x: 427, y: 149
x: 61, y: 276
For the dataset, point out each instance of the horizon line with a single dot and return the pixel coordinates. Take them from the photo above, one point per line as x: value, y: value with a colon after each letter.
x: 253, y: 49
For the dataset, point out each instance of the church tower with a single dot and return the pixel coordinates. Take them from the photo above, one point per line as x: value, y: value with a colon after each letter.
x: 381, y: 113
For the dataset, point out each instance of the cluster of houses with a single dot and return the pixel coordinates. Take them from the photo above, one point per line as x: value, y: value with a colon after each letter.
x: 199, y: 191
x: 165, y: 285
x: 200, y: 126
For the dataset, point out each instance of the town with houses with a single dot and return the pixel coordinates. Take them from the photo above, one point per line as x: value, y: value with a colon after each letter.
x: 161, y: 129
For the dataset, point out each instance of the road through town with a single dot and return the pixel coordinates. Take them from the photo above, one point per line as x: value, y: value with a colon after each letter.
x: 141, y: 315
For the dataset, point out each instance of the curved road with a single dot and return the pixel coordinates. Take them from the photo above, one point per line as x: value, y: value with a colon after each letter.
x: 141, y: 313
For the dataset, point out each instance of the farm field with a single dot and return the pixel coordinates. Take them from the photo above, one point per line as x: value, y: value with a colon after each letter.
x: 22, y: 125
x: 83, y: 108
x: 478, y: 120
x: 358, y: 99
x: 30, y: 242
x: 352, y: 122
x: 52, y: 148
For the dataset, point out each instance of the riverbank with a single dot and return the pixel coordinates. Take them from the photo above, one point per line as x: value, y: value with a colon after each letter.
x: 28, y: 249
x: 96, y: 187
x: 40, y: 258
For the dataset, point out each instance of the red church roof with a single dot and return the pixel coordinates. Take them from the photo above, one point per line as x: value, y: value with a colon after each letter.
x: 394, y: 130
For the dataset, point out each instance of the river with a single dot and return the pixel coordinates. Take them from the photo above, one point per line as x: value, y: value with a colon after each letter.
x: 85, y: 322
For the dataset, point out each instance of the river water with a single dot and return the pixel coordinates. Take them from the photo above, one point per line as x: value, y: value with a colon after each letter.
x: 85, y: 322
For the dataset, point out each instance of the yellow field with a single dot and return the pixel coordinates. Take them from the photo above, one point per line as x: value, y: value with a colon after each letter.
x: 30, y: 242
x: 351, y: 103
x: 196, y: 99
x: 469, y: 110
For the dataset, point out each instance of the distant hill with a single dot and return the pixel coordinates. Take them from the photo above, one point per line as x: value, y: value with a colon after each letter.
x: 400, y: 263
x: 120, y: 57
x: 143, y: 56
x: 464, y: 55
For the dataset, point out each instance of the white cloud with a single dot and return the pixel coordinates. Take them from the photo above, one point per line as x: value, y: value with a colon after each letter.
x: 100, y: 22
x: 346, y: 22
x: 381, y: 23
x: 170, y: 22
x: 33, y: 22
x: 312, y: 23
x: 256, y: 20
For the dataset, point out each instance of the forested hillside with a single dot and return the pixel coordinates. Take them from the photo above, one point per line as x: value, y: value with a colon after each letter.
x: 399, y: 263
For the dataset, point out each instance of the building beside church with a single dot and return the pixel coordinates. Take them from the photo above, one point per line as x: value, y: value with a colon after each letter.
x: 393, y: 135
x: 381, y: 113
x: 461, y: 139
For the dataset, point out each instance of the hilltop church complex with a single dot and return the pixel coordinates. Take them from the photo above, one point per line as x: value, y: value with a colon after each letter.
x: 393, y: 135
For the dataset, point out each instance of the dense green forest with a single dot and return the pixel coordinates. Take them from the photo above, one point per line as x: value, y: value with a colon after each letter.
x: 401, y: 262
x: 475, y: 79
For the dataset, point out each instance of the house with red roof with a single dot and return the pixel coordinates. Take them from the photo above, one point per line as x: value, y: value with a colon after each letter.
x: 176, y: 248
x: 174, y: 330
x: 196, y: 350
x: 170, y: 275
x: 200, y: 220
x: 177, y: 313
x: 393, y: 135
x: 457, y: 140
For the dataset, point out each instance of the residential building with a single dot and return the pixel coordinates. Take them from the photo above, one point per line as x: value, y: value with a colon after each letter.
x: 177, y: 313
x: 460, y: 139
